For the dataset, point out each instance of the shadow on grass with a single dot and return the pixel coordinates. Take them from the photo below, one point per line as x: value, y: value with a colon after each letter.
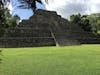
x: 0, y: 56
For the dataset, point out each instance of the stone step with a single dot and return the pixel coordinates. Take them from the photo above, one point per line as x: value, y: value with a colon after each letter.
x: 26, y: 42
x: 33, y: 25
x: 27, y: 33
x: 67, y: 41
x: 89, y: 40
x: 62, y: 38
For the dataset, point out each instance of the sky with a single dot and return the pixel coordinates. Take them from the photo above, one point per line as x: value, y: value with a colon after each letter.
x: 65, y: 8
x: 22, y: 12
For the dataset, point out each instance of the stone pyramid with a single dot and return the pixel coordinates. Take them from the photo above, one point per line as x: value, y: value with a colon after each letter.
x: 46, y: 28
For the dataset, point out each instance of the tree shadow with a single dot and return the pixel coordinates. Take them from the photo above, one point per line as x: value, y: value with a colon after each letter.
x: 0, y: 56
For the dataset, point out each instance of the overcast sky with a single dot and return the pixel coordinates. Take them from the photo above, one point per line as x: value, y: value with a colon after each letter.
x: 63, y: 7
x: 68, y: 7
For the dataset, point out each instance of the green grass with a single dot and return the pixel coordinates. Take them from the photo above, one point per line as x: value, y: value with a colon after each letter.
x: 71, y: 60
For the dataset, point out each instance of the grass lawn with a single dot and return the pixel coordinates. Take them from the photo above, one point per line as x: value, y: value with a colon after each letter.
x: 70, y: 60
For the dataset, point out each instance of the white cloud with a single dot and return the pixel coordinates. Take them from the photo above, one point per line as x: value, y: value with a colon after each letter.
x: 68, y: 7
x: 63, y: 7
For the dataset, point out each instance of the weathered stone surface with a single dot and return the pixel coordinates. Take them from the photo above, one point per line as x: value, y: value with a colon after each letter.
x: 46, y: 28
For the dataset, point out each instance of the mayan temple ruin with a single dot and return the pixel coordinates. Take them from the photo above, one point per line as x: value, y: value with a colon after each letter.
x: 46, y: 28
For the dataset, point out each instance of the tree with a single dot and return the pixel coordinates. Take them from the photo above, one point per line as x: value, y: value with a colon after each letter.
x: 6, y: 20
x: 75, y: 18
x: 95, y: 23
x: 96, y: 27
x: 81, y: 20
x: 31, y: 3
x: 2, y: 19
x: 11, y: 21
x: 84, y: 23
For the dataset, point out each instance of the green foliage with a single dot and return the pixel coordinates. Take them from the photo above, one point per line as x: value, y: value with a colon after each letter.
x: 87, y: 22
x: 2, y: 23
x: 75, y: 18
x: 95, y: 23
x: 83, y: 21
x: 6, y: 21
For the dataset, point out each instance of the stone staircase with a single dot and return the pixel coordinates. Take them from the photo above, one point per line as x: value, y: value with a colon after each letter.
x: 76, y: 32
